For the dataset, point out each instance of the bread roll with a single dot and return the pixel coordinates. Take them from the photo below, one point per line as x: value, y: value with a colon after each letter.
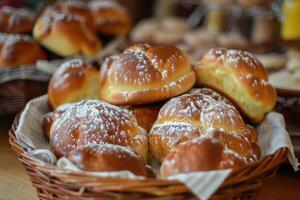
x: 16, y: 20
x: 145, y: 74
x: 201, y: 154
x: 65, y: 34
x: 108, y: 158
x: 78, y: 8
x: 110, y: 17
x: 192, y: 115
x: 96, y: 122
x: 50, y: 117
x: 17, y: 50
x: 146, y: 114
x: 241, y: 77
x: 74, y: 80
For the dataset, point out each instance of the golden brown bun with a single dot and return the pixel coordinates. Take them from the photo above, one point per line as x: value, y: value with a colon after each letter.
x: 241, y: 77
x: 93, y: 121
x: 192, y: 115
x: 74, y: 80
x: 110, y: 17
x: 145, y: 74
x: 146, y: 114
x: 79, y: 8
x: 50, y: 117
x: 201, y: 154
x: 17, y: 50
x: 108, y: 158
x: 16, y: 20
x: 65, y: 34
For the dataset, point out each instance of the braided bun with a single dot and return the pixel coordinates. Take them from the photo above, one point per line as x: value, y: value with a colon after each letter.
x: 241, y: 77
x: 200, y: 154
x: 65, y: 34
x: 107, y: 158
x: 74, y: 80
x: 78, y: 8
x: 17, y: 50
x: 192, y: 115
x: 16, y: 20
x: 110, y: 17
x: 96, y: 122
x: 144, y: 74
x: 50, y: 117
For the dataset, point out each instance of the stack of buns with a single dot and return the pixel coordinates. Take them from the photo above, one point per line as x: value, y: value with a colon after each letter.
x: 66, y: 28
x: 70, y: 27
x: 141, y: 106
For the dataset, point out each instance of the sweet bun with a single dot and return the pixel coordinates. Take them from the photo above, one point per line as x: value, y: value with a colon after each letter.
x: 50, y: 117
x: 108, y: 158
x: 79, y: 8
x: 192, y: 115
x: 74, y: 80
x: 17, y: 50
x: 65, y: 34
x: 96, y: 122
x: 146, y: 114
x: 241, y: 77
x: 201, y: 154
x: 110, y: 17
x: 16, y: 20
x: 145, y: 74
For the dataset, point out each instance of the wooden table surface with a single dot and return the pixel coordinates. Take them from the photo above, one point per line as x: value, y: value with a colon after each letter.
x: 15, y: 184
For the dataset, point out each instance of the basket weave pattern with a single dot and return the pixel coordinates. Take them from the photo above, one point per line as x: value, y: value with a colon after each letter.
x: 15, y: 94
x: 52, y: 183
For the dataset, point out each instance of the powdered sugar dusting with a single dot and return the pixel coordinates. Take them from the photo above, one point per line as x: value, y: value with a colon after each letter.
x: 136, y: 66
x: 51, y: 17
x: 11, y: 39
x: 17, y: 15
x: 93, y: 121
x: 233, y: 57
x: 198, y: 113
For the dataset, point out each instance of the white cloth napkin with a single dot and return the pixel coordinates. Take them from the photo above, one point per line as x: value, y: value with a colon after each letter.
x: 272, y: 135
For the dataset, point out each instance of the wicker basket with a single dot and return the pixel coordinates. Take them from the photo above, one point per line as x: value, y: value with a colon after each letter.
x: 15, y: 94
x: 53, y: 183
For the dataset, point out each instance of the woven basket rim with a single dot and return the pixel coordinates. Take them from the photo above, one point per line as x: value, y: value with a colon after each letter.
x: 239, y: 179
x: 45, y: 166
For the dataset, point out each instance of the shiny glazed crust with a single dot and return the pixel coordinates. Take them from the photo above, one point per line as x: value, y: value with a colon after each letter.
x: 65, y: 34
x: 193, y: 115
x: 145, y: 74
x: 16, y: 20
x: 17, y: 50
x: 239, y: 76
x: 96, y: 122
x: 107, y: 158
x: 110, y: 18
x: 201, y: 154
x: 75, y: 80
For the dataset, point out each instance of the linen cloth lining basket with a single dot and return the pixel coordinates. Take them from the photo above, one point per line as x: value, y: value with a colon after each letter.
x: 53, y: 183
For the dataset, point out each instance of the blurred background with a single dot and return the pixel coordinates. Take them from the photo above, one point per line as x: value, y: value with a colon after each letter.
x: 269, y: 29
